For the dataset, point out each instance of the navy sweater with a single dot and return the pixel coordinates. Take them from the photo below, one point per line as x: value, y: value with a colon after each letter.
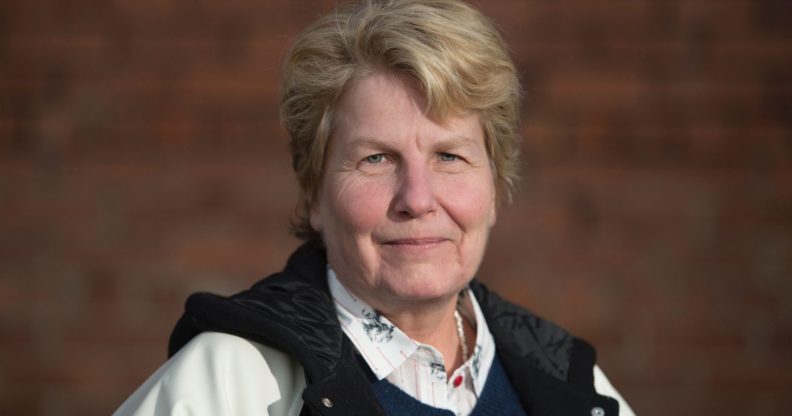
x: 498, y: 398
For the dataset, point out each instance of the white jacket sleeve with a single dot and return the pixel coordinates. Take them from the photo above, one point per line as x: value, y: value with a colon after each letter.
x: 604, y: 387
x: 221, y: 374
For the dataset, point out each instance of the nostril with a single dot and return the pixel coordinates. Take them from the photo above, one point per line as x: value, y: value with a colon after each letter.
x: 416, y: 202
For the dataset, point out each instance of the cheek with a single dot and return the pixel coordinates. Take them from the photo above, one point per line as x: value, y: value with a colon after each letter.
x: 357, y: 206
x: 472, y: 202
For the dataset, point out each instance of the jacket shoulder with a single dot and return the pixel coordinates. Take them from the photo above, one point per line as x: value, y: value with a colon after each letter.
x: 524, y: 335
x: 217, y: 373
x: 290, y: 310
x: 553, y: 371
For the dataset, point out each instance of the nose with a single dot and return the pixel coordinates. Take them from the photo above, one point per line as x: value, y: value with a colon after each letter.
x: 415, y: 195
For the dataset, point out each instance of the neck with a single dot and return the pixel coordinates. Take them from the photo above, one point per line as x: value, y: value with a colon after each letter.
x: 435, y: 326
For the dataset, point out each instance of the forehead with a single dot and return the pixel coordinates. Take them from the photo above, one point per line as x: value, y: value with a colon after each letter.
x: 384, y: 106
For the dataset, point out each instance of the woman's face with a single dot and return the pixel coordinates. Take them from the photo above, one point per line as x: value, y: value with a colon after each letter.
x: 406, y: 204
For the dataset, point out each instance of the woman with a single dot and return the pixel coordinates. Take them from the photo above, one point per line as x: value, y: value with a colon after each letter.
x: 402, y: 117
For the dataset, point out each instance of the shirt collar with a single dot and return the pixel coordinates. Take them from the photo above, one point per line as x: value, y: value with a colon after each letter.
x: 385, y: 347
x: 483, y: 354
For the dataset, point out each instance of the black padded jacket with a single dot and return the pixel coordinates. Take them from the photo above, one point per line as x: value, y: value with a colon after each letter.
x: 551, y: 370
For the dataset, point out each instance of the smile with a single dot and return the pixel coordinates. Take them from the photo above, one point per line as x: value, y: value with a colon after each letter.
x: 415, y: 242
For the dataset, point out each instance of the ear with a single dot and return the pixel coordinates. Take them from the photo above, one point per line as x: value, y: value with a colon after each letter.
x: 493, y: 215
x: 315, y: 217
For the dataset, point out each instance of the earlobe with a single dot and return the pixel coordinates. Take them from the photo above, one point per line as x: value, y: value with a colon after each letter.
x: 315, y: 219
x: 493, y: 213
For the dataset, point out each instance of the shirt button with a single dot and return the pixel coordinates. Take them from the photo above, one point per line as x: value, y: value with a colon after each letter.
x: 457, y: 381
x: 327, y: 402
x: 597, y: 411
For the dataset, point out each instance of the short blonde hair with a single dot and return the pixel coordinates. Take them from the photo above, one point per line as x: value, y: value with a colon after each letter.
x: 449, y: 51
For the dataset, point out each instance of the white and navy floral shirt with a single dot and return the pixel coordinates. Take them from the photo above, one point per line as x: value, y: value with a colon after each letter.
x: 418, y: 369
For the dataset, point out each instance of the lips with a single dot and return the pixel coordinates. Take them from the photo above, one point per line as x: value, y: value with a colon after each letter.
x: 419, y: 241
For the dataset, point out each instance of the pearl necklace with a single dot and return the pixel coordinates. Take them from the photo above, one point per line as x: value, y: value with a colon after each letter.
x: 461, y: 333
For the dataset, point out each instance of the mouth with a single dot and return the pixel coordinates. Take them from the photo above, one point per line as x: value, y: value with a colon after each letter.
x: 414, y: 242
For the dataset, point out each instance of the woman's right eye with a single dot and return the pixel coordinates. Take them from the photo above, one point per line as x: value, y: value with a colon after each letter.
x: 379, y: 157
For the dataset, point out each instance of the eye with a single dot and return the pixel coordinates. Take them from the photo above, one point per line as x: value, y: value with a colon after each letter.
x: 447, y: 157
x: 379, y: 157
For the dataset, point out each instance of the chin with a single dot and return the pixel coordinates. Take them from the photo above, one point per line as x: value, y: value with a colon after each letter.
x: 425, y: 285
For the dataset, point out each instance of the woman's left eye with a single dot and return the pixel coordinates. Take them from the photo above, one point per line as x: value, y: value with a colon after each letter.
x: 447, y: 157
x: 375, y: 158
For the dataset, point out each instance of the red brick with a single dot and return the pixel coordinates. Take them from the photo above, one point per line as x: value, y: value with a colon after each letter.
x: 141, y: 159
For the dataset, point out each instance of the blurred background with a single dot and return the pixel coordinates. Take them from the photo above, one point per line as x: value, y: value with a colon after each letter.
x: 141, y: 159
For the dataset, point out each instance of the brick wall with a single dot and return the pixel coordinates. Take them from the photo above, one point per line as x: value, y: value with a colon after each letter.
x: 141, y: 160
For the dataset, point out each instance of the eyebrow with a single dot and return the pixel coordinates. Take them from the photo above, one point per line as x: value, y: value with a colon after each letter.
x: 458, y: 140
x: 365, y: 141
x: 447, y: 142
